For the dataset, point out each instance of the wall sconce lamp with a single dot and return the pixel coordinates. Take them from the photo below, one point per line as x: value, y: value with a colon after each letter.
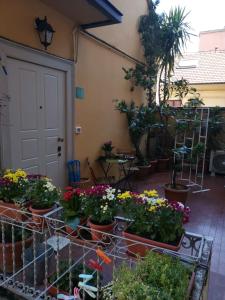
x: 45, y: 31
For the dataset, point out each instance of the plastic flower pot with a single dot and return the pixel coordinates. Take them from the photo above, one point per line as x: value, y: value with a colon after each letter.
x: 41, y: 252
x: 71, y: 226
x: 135, y: 244
x: 180, y: 194
x: 104, y: 229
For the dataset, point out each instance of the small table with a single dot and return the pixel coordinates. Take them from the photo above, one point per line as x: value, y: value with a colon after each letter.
x: 125, y: 167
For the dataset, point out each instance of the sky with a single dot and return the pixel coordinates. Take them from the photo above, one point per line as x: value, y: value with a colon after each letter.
x: 204, y: 15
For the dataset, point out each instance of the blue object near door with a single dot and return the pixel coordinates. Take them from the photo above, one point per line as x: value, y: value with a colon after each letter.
x: 73, y: 171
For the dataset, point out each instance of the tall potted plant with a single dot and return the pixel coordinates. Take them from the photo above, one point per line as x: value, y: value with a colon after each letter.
x: 154, y: 222
x: 100, y: 207
x: 139, y: 119
x: 175, y: 191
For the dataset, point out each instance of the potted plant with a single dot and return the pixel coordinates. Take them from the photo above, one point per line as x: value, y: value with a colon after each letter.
x: 100, y: 207
x: 176, y: 191
x: 63, y: 284
x: 13, y: 186
x: 107, y: 148
x: 154, y: 222
x: 43, y: 195
x: 154, y: 277
x: 72, y: 209
x: 140, y: 120
x: 7, y: 247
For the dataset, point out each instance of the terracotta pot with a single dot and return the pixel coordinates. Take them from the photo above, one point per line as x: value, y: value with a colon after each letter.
x: 9, y: 256
x: 39, y: 212
x: 180, y: 194
x: 100, y: 236
x: 191, y: 285
x: 163, y: 164
x: 135, y: 247
x: 154, y: 164
x: 53, y: 291
x: 8, y: 210
x: 143, y: 172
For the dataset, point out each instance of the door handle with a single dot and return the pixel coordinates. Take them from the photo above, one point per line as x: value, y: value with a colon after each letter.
x: 59, y: 149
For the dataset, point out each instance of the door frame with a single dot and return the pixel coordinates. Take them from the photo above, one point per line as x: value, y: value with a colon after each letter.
x: 24, y: 53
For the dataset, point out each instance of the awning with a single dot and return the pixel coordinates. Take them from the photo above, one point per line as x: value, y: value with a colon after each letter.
x: 87, y: 13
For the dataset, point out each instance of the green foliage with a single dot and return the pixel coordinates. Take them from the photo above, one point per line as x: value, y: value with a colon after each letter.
x: 180, y: 89
x: 156, y: 277
x: 216, y: 129
x: 178, y: 153
x: 63, y: 283
x: 42, y: 193
x: 140, y: 119
x: 153, y: 218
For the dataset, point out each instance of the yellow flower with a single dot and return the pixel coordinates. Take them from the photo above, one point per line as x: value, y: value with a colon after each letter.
x: 20, y: 173
x: 161, y: 202
x: 152, y: 208
x: 151, y: 193
x: 125, y: 195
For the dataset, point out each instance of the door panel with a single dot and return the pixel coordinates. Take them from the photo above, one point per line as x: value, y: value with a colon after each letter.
x: 37, y: 118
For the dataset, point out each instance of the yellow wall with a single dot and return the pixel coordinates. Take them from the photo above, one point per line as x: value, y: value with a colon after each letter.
x: 98, y: 69
x: 17, y: 23
x: 125, y: 36
x: 212, y: 94
x: 99, y: 73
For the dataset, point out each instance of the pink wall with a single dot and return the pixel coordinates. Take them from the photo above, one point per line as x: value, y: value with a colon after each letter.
x: 212, y: 40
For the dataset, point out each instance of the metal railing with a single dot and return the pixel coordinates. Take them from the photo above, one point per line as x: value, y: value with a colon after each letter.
x: 34, y: 249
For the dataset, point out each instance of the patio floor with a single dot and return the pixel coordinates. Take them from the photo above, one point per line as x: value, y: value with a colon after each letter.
x: 207, y: 218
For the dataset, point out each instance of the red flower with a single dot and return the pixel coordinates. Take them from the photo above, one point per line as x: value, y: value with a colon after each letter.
x: 69, y: 188
x: 68, y: 195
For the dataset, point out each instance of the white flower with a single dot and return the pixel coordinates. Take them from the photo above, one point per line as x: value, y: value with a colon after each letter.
x: 49, y: 186
x: 104, y: 197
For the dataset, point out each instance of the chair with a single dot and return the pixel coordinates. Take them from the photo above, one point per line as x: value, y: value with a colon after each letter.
x: 99, y: 180
x: 74, y: 177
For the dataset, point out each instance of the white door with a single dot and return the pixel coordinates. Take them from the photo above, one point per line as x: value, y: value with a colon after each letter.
x: 37, y: 119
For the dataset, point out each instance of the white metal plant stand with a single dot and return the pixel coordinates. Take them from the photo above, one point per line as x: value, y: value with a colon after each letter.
x: 193, y: 172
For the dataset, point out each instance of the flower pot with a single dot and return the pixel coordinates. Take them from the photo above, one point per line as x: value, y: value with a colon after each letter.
x: 180, y: 194
x: 74, y: 232
x: 36, y: 213
x: 54, y: 292
x: 10, y: 210
x: 135, y: 244
x: 143, y: 172
x: 163, y: 164
x: 100, y: 236
x: 190, y: 286
x: 9, y: 254
x: 153, y: 168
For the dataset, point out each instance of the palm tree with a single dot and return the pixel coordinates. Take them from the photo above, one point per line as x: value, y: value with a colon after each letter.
x: 174, y: 36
